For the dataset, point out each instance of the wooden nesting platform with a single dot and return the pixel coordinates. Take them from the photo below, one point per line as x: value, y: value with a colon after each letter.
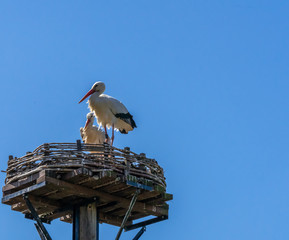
x: 59, y: 176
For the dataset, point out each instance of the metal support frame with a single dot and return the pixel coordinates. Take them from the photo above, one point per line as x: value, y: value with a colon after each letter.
x: 133, y: 201
x: 39, y: 231
x: 145, y: 223
x: 44, y: 220
x: 140, y: 233
x: 75, y: 226
x: 44, y: 235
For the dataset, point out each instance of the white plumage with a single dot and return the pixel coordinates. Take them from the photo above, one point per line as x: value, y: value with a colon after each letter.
x: 90, y: 133
x: 109, y: 111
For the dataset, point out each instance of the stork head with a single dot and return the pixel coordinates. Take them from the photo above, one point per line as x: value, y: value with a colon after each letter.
x: 90, y: 119
x: 98, y: 88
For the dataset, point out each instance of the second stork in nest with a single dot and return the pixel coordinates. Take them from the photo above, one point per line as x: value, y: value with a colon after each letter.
x: 90, y: 133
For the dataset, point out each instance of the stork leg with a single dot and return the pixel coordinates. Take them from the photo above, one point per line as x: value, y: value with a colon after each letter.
x: 112, y: 134
x: 106, y: 135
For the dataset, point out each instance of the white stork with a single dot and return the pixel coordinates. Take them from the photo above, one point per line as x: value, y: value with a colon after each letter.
x: 109, y: 111
x: 90, y: 133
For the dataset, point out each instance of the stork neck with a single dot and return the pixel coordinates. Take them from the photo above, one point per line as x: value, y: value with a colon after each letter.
x: 96, y: 94
x: 90, y: 124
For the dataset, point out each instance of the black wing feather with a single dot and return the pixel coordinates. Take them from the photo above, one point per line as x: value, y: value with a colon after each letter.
x: 126, y: 117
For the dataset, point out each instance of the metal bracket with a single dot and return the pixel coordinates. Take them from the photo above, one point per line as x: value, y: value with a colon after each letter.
x: 44, y: 235
x: 44, y: 220
x: 133, y: 201
x: 140, y: 233
x: 145, y: 223
x: 39, y: 231
x: 75, y: 227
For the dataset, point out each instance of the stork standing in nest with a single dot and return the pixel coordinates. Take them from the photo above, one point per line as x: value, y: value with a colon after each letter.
x: 90, y: 133
x: 109, y: 111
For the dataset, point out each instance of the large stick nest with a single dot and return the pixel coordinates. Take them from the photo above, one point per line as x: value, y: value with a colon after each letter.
x: 64, y: 157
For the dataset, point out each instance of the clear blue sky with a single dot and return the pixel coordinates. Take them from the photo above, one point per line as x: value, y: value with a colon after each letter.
x: 207, y: 83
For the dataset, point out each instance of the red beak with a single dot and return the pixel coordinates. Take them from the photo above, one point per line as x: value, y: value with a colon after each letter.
x: 87, y: 95
x: 87, y: 122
